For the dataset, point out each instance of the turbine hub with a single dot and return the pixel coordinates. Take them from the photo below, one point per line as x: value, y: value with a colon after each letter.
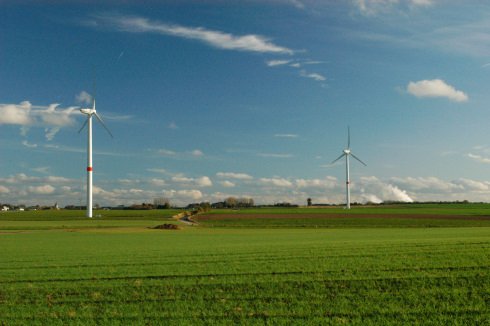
x: 347, y: 151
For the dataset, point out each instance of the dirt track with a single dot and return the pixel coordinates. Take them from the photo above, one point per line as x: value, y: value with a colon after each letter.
x: 346, y: 215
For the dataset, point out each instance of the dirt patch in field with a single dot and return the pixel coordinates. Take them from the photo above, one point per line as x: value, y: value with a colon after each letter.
x: 167, y: 227
x: 346, y: 215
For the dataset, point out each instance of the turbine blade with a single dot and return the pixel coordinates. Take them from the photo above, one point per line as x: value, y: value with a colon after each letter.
x: 348, y: 137
x: 338, y: 158
x: 103, y: 124
x: 358, y: 159
x: 83, y: 126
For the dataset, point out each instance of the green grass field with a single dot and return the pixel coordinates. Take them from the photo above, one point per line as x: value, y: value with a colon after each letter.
x: 116, y: 270
x: 473, y: 209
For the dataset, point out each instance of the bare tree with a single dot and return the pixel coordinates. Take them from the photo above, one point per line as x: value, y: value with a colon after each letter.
x: 161, y: 202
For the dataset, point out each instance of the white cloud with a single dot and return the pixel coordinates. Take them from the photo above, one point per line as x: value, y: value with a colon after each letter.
x: 425, y: 184
x: 472, y: 185
x: 41, y: 190
x: 161, y: 171
x: 275, y: 63
x: 166, y: 152
x: 4, y: 190
x: 286, y: 136
x: 372, y: 7
x: 298, y: 4
x: 51, y: 132
x: 157, y: 182
x: 182, y: 179
x: 422, y: 3
x: 26, y: 115
x: 328, y: 182
x: 203, y: 182
x: 172, y: 125
x: 276, y: 182
x: 479, y: 158
x: 227, y: 184
x: 41, y: 169
x: 180, y: 155
x: 197, y: 153
x: 83, y: 98
x: 275, y: 155
x: 315, y: 76
x: 218, y: 39
x: 436, y: 88
x: 55, y: 179
x: 27, y: 144
x: 183, y: 196
x: 59, y: 118
x: 16, y: 114
x: 234, y: 175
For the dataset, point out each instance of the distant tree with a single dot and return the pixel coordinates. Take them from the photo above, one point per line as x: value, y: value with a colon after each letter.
x: 161, y: 203
x: 231, y: 202
x: 245, y: 202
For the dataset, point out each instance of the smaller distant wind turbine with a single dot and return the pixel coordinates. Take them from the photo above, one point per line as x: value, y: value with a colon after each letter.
x: 347, y: 152
x: 89, y: 113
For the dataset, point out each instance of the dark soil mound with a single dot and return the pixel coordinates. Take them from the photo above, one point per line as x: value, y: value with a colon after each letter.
x: 167, y: 227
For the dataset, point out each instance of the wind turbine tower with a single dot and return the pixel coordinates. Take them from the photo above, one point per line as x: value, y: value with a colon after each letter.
x: 347, y: 152
x: 89, y: 113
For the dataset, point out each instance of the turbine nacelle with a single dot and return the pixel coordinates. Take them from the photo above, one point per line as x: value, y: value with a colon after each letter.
x: 88, y: 111
x: 346, y: 151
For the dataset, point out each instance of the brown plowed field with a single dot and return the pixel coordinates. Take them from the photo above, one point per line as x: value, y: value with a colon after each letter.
x: 392, y: 216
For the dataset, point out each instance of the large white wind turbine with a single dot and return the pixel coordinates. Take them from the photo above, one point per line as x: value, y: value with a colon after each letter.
x: 347, y: 152
x: 89, y: 113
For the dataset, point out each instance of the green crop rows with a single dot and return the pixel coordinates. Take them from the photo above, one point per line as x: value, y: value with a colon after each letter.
x: 126, y: 273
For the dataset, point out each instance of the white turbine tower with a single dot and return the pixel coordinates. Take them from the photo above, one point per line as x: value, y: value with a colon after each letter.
x: 347, y: 152
x: 89, y: 113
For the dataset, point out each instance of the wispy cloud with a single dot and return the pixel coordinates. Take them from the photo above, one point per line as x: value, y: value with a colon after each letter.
x: 314, y: 75
x: 41, y: 169
x: 276, y: 182
x: 275, y: 155
x: 234, y: 175
x: 203, y: 181
x: 275, y: 63
x: 29, y: 145
x: 227, y: 184
x: 51, y: 117
x: 373, y: 7
x: 218, y: 39
x: 479, y: 158
x: 467, y: 35
x: 436, y: 88
x: 157, y: 170
x: 299, y: 64
x: 83, y: 98
x: 196, y: 153
x: 286, y: 136
x: 298, y: 4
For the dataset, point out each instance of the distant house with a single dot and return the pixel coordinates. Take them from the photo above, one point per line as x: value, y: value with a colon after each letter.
x: 5, y: 208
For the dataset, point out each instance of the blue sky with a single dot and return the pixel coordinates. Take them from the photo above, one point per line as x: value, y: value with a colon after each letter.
x: 210, y: 99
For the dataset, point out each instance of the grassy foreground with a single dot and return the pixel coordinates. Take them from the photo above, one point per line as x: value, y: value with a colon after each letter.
x: 198, y: 275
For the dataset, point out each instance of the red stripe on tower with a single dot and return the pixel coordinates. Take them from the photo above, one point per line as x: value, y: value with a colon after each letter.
x: 89, y: 169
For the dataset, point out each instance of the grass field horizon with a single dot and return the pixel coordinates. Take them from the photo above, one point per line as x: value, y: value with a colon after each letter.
x: 60, y: 269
